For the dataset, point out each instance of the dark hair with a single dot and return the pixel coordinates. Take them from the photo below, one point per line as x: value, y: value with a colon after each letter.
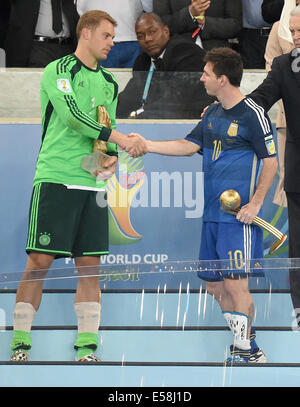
x: 226, y: 62
x: 91, y: 19
x: 154, y: 16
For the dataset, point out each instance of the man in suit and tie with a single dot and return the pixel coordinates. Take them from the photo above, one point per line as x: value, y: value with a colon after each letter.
x: 40, y: 31
x: 166, y: 76
x: 209, y: 23
x: 283, y: 82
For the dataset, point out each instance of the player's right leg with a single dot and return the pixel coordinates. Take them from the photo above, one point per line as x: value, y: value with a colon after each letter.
x: 218, y: 241
x: 29, y: 295
x: 245, y: 243
x: 44, y: 238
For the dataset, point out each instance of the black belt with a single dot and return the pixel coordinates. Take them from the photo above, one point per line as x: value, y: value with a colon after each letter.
x: 263, y: 32
x: 58, y: 40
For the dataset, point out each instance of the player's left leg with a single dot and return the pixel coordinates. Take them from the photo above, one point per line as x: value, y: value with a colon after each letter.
x: 87, y: 307
x: 241, y: 316
x: 218, y: 291
x: 90, y: 243
x: 215, y: 245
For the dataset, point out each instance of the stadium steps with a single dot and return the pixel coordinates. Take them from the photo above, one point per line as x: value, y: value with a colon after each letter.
x: 146, y: 339
x: 152, y: 308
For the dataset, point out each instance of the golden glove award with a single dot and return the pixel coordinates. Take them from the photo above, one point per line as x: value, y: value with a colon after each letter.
x: 94, y: 161
x: 230, y: 201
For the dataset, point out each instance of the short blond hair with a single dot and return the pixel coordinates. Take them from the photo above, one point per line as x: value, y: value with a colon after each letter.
x: 91, y: 19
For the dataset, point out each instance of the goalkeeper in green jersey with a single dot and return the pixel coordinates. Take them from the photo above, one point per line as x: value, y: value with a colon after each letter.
x: 64, y: 219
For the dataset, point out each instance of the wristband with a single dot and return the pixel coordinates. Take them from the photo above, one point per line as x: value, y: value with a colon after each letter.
x: 199, y: 18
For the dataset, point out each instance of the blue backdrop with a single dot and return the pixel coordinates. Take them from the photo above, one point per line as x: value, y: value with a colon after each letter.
x: 156, y: 206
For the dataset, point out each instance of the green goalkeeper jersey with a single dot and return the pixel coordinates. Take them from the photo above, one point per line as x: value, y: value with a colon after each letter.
x: 70, y: 94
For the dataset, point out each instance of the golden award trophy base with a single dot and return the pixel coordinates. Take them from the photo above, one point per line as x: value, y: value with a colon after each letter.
x: 95, y: 161
x: 230, y: 201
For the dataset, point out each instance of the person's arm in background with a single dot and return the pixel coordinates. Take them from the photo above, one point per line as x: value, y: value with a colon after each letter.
x: 273, y: 50
x: 227, y: 26
x: 179, y: 22
x: 269, y: 92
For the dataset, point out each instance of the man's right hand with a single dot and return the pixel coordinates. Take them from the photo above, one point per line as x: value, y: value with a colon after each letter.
x: 198, y: 7
x: 135, y: 145
x: 205, y: 109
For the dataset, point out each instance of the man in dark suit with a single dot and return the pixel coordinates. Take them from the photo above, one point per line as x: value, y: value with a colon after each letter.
x: 4, y: 17
x: 283, y: 82
x: 32, y: 39
x: 271, y: 10
x: 166, y: 76
x: 219, y: 20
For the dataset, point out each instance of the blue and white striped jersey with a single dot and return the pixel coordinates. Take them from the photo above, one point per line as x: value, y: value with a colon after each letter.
x: 232, y: 142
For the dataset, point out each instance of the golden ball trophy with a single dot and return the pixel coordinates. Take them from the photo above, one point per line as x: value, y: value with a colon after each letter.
x: 95, y: 161
x: 230, y: 201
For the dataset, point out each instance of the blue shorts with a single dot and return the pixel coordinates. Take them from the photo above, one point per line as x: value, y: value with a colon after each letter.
x: 230, y: 245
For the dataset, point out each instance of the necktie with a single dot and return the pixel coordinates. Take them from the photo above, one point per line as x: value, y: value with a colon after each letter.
x: 56, y: 16
x: 158, y: 62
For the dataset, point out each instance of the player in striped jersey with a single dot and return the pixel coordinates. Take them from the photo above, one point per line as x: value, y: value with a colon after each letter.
x: 65, y: 219
x: 234, y: 137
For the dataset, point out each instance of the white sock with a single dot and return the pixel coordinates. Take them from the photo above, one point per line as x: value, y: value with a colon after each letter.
x: 240, y: 330
x: 24, y: 314
x: 238, y: 324
x: 88, y: 316
x: 227, y: 316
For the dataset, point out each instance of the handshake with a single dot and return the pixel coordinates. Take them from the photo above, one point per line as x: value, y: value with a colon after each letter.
x: 134, y: 144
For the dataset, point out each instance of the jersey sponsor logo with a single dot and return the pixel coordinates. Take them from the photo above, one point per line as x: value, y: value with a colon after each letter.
x: 233, y: 129
x: 210, y: 126
x: 64, y: 85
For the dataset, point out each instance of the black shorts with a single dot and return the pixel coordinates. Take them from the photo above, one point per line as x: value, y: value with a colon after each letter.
x: 67, y: 222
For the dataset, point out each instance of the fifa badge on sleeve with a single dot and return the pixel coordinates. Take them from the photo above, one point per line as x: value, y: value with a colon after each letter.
x: 270, y: 145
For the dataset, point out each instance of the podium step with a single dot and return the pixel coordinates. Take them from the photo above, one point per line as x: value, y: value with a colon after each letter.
x: 153, y: 309
x: 144, y: 375
x: 151, y: 339
x: 155, y: 345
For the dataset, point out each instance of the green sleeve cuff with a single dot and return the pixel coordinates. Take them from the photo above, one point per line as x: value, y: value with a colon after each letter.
x: 112, y: 153
x: 104, y: 133
x: 112, y: 149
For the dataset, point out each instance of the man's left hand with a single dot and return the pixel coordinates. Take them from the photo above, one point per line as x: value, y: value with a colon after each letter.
x: 110, y: 168
x: 248, y: 212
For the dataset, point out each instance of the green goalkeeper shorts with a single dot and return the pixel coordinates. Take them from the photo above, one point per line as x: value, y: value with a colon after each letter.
x: 67, y: 222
